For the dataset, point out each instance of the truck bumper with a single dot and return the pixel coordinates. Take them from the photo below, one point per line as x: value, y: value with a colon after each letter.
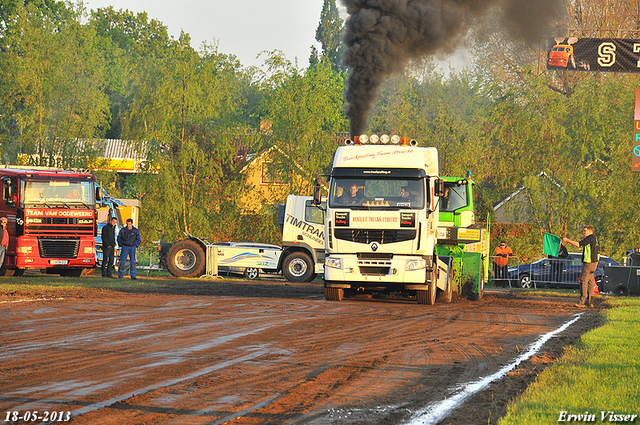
x: 389, y: 274
x: 28, y: 256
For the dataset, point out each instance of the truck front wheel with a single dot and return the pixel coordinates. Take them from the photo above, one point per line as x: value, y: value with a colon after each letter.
x: 298, y: 267
x: 186, y: 259
x: 428, y: 296
x: 333, y: 294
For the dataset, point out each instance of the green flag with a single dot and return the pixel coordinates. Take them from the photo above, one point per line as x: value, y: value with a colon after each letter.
x: 551, y: 244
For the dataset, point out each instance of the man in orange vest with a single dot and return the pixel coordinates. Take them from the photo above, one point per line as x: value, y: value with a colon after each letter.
x: 500, y: 261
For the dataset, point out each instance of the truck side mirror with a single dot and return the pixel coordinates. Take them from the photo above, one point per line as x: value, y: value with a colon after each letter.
x: 317, y: 195
x: 98, y: 194
x: 320, y: 182
x: 438, y: 189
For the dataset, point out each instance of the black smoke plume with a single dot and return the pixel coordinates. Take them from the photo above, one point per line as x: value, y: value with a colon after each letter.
x: 381, y: 35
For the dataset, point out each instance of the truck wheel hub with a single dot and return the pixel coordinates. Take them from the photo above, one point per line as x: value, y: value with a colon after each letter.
x: 298, y: 267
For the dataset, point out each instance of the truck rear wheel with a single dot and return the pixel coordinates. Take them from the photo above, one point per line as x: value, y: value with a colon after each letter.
x: 298, y: 267
x: 186, y: 259
x: 333, y: 294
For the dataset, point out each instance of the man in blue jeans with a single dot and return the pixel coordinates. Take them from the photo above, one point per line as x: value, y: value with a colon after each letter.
x: 129, y: 240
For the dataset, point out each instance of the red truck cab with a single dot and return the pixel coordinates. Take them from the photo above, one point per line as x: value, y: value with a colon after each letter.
x: 52, y: 219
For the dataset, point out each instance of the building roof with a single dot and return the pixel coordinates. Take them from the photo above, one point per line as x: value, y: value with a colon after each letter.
x: 124, y: 149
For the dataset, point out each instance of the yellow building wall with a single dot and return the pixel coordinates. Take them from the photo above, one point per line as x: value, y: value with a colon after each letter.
x: 265, y: 193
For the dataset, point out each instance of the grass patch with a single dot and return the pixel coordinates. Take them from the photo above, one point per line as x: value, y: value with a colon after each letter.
x: 53, y: 283
x: 599, y: 374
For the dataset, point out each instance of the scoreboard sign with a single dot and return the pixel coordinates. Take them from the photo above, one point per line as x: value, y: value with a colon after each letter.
x: 635, y: 152
x: 594, y: 54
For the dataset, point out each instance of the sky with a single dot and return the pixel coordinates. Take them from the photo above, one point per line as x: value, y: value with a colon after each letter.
x: 243, y: 28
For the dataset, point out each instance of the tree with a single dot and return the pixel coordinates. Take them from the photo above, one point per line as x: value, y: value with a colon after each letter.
x: 329, y: 34
x: 51, y: 89
x: 306, y: 111
x: 125, y: 38
x: 188, y: 107
x: 55, y: 10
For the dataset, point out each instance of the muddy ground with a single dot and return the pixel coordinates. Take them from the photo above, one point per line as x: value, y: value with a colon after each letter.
x: 211, y: 352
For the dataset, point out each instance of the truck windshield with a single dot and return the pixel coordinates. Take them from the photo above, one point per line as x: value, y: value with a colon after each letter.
x: 377, y: 193
x: 58, y: 193
x: 455, y: 197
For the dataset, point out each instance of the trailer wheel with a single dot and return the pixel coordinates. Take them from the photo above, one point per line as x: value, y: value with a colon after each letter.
x: 18, y: 272
x: 251, y: 273
x: 186, y: 259
x: 333, y: 294
x: 298, y: 267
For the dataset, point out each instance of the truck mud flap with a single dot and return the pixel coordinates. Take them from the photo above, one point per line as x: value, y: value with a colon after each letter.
x: 444, y: 272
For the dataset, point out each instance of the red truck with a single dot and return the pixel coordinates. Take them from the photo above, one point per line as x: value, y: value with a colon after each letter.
x: 52, y: 219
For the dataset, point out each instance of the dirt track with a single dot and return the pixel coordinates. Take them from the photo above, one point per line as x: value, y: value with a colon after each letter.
x: 265, y: 352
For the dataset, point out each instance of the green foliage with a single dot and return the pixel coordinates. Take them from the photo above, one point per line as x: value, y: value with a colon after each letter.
x: 306, y: 112
x: 51, y: 89
x: 329, y: 34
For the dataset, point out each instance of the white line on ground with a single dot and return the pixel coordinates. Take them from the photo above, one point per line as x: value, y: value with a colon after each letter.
x: 435, y: 412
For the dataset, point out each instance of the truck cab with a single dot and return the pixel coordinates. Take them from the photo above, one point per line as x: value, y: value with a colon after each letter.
x: 461, y: 240
x: 51, y: 219
x: 382, y: 216
x: 302, y: 225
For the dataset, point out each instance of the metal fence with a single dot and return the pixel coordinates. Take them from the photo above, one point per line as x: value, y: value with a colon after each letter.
x: 539, y: 272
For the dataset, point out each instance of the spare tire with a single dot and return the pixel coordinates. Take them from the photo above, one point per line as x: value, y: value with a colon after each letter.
x: 186, y: 258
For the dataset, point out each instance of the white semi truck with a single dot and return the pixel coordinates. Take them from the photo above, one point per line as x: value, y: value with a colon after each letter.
x: 299, y: 259
x: 382, y: 216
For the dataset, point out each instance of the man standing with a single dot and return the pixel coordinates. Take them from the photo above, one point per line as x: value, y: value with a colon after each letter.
x: 129, y: 240
x: 590, y: 253
x: 4, y: 242
x: 108, y: 246
x: 500, y: 262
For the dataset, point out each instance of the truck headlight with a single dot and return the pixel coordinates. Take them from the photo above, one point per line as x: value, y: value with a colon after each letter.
x: 89, y: 250
x: 415, y: 265
x: 25, y: 249
x: 336, y: 263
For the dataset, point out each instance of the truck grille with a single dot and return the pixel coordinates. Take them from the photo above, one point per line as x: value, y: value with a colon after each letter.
x: 58, y: 226
x: 380, y: 236
x: 374, y: 263
x: 374, y: 271
x: 58, y: 247
x: 374, y: 256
